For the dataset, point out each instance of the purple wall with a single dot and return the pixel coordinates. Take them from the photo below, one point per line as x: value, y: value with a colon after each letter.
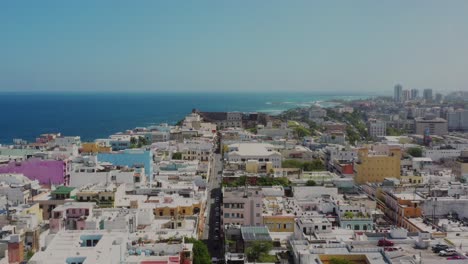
x: 45, y: 171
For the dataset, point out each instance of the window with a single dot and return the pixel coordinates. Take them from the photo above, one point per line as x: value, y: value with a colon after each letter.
x: 226, y: 205
x: 258, y: 214
x: 257, y: 205
x: 226, y: 215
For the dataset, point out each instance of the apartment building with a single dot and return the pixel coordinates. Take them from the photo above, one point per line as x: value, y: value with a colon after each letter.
x: 70, y: 216
x: 377, y: 128
x: 376, y: 163
x: 435, y: 125
x: 243, y: 152
x: 458, y: 120
x: 242, y: 206
x: 196, y: 150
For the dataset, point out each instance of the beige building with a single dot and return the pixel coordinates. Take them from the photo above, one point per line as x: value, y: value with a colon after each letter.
x: 242, y: 206
x: 377, y: 163
x: 437, y: 126
x: 261, y: 152
x: 461, y: 166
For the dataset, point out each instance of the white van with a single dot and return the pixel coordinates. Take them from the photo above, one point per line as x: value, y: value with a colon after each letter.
x: 448, y: 252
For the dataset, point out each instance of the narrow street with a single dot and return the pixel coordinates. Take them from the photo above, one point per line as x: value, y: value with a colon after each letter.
x: 211, y: 231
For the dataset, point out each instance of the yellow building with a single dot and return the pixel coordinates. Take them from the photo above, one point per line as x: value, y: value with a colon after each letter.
x: 33, y: 210
x: 377, y: 163
x: 275, y: 216
x: 177, y: 210
x: 94, y: 148
x: 254, y: 166
x: 279, y: 223
x: 412, y: 179
x: 103, y: 199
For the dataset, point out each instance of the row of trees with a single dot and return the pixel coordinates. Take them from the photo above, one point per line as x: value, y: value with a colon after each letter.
x: 138, y: 142
x: 260, y: 181
x: 315, y: 165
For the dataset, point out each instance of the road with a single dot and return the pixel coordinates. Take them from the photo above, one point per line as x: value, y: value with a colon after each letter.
x: 211, y: 231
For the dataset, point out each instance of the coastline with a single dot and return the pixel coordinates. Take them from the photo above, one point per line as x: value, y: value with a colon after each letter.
x: 98, y: 115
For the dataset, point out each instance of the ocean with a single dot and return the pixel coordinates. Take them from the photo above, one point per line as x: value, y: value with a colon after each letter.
x: 98, y: 115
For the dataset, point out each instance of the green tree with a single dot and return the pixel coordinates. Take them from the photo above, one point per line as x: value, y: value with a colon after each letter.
x: 394, y: 131
x: 415, y: 152
x: 336, y: 260
x: 29, y: 255
x: 200, y: 251
x: 142, y: 141
x: 177, y: 156
x: 311, y: 183
x: 315, y: 165
x: 301, y: 131
x: 180, y: 122
x: 133, y: 142
x: 348, y: 215
x: 291, y: 164
x: 258, y: 249
x: 252, y: 130
x: 352, y: 135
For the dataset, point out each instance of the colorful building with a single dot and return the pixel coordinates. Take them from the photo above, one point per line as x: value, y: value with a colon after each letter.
x: 130, y: 158
x: 63, y: 192
x: 401, y: 206
x: 169, y: 206
x: 377, y: 163
x: 70, y: 216
x: 45, y: 171
x: 94, y: 147
x: 279, y: 223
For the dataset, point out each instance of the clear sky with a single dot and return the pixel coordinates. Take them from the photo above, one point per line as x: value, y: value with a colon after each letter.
x: 341, y: 46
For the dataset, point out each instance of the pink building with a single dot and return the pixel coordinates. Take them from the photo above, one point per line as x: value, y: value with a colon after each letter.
x: 45, y: 171
x: 242, y: 207
x: 70, y: 216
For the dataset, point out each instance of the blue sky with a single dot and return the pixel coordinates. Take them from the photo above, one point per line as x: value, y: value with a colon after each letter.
x: 342, y: 46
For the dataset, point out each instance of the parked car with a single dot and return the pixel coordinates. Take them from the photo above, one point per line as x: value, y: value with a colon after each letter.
x: 456, y: 257
x: 391, y: 249
x: 439, y: 247
x: 448, y: 252
x: 385, y: 243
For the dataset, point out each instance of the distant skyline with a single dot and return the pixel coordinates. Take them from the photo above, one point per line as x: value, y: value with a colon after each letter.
x: 164, y: 46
